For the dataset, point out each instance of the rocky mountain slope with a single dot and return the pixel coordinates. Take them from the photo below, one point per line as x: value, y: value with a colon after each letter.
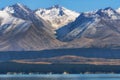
x: 99, y: 28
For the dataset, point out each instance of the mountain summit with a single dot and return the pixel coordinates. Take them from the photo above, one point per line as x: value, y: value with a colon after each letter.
x: 57, y: 16
x: 19, y: 10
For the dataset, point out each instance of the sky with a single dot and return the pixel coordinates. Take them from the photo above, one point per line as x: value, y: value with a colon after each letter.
x: 76, y: 5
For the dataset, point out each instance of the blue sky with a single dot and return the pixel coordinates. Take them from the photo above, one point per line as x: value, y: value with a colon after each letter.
x: 76, y: 5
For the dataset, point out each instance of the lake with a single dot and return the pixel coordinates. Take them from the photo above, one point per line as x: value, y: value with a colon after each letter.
x: 61, y: 77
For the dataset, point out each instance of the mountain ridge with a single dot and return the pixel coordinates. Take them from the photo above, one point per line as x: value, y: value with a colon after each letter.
x: 85, y: 30
x: 89, y: 29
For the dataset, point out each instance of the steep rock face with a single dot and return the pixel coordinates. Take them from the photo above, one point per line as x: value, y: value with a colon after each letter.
x: 57, y: 16
x: 96, y: 29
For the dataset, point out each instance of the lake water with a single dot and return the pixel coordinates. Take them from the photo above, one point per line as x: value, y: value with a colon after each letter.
x: 62, y: 77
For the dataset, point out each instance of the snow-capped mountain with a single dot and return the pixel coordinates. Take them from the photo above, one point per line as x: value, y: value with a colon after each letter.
x: 57, y: 16
x: 108, y: 13
x: 10, y: 28
x: 118, y: 10
x: 21, y: 11
x: 18, y: 10
x: 89, y: 29
x: 24, y: 29
x: 30, y: 32
x: 12, y: 25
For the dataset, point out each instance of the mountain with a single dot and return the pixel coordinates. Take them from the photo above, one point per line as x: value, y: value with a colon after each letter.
x: 18, y: 10
x: 57, y: 16
x: 99, y: 28
x: 118, y: 10
x: 10, y: 25
x: 21, y: 11
x: 36, y: 34
x: 22, y: 29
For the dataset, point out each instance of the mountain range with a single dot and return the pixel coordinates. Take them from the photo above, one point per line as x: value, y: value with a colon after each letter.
x: 23, y: 29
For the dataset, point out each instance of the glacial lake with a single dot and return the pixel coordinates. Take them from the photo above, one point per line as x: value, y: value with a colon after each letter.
x: 62, y: 77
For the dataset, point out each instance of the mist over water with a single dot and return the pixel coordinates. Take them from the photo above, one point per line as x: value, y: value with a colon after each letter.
x: 62, y: 77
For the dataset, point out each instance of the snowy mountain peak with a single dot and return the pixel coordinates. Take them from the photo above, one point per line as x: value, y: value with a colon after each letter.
x: 19, y: 4
x: 108, y: 13
x: 108, y: 8
x: 10, y: 25
x: 56, y: 15
x: 58, y: 8
x: 55, y: 6
x: 9, y: 9
x: 17, y: 7
x: 118, y: 10
x: 19, y: 10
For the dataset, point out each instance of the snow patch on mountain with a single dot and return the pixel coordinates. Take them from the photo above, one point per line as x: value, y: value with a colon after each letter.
x: 58, y: 16
x: 8, y: 23
x: 9, y: 9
